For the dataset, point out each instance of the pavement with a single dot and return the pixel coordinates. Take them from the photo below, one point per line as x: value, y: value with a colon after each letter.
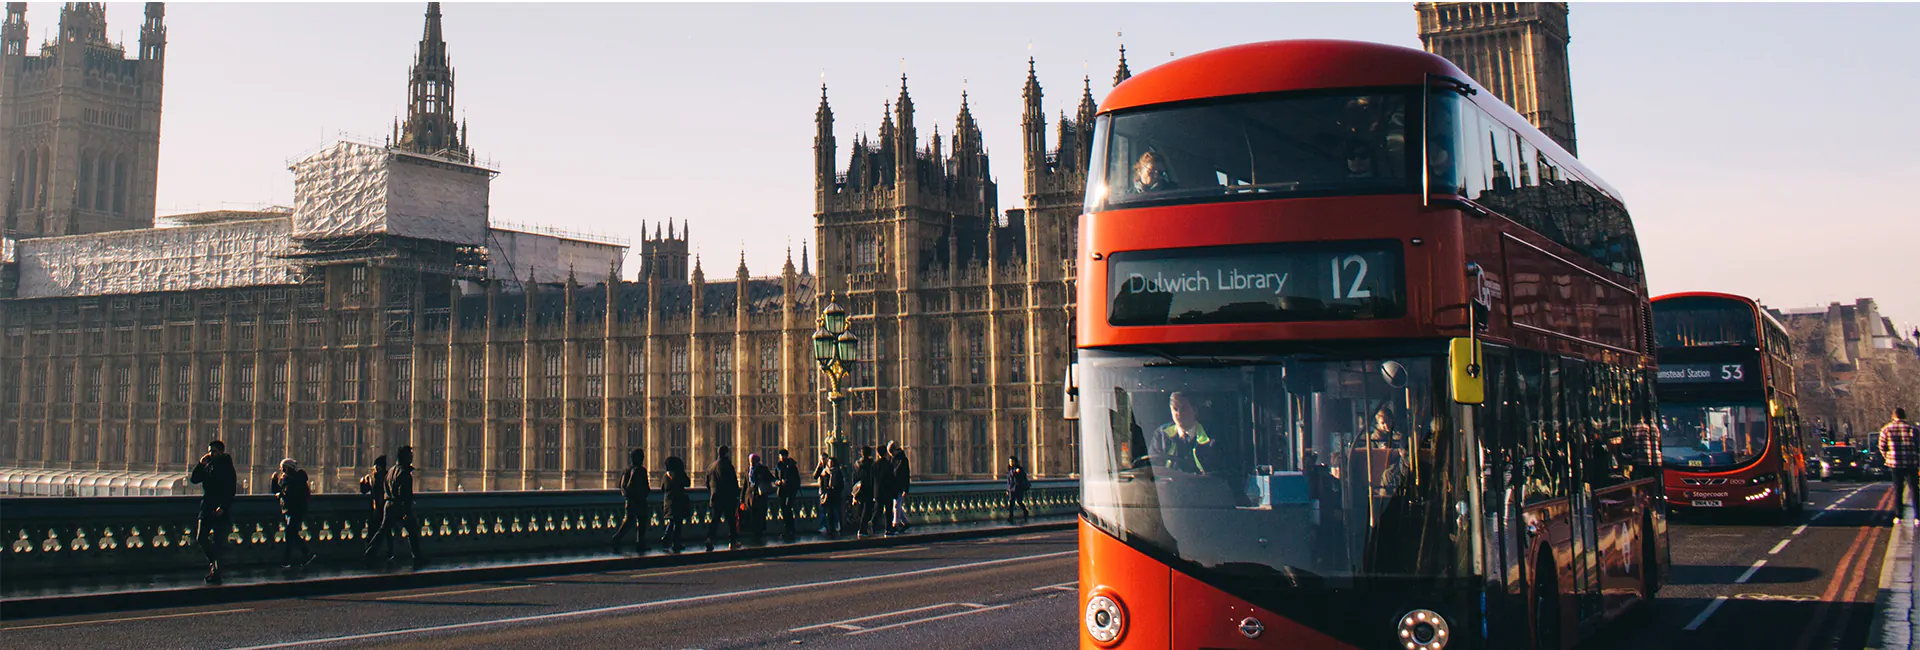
x: 29, y: 598
x: 1013, y: 591
x: 1896, y: 623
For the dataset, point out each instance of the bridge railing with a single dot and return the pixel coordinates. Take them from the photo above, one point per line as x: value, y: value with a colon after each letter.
x: 56, y: 536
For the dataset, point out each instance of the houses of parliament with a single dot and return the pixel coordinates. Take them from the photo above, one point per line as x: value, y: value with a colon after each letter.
x: 384, y: 309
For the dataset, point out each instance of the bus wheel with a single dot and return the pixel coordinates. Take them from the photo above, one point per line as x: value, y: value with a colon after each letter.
x: 1800, y: 497
x: 1546, y: 607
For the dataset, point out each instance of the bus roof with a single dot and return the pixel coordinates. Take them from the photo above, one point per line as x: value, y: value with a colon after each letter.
x: 1751, y: 304
x: 1281, y: 66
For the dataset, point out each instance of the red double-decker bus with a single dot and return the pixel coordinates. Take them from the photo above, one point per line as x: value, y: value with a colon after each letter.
x: 1729, y: 424
x: 1362, y: 363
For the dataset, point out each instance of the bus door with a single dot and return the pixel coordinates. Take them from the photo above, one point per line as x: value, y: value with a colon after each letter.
x: 1567, y: 390
x: 1502, y: 477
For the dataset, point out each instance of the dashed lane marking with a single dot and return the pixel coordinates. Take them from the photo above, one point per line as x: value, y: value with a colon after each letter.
x: 456, y: 592
x: 650, y: 574
x: 1705, y: 614
x: 1744, y: 577
x: 853, y: 623
x: 890, y: 551
x: 978, y: 609
x: 122, y: 620
x: 1801, y: 529
x: 1064, y: 586
x: 1778, y: 547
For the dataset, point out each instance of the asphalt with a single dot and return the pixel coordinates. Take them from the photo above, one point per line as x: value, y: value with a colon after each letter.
x: 1806, y: 583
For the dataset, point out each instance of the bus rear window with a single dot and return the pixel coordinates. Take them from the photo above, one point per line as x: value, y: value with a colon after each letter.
x: 1264, y: 147
x: 1701, y: 322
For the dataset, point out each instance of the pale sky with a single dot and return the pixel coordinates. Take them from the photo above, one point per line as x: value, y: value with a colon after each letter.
x: 1765, y: 149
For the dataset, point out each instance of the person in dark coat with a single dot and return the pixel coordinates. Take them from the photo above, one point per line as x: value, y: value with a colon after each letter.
x: 399, y: 510
x: 760, y: 490
x: 833, y: 492
x: 866, y: 492
x: 634, y: 487
x: 902, y: 482
x: 886, y: 487
x: 723, y: 497
x: 787, y: 479
x: 374, y: 485
x: 674, y: 499
x: 1017, y: 484
x: 217, y: 482
x: 291, y: 487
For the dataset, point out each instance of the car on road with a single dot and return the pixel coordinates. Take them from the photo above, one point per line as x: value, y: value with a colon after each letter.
x: 1872, y: 465
x: 1844, y: 462
x: 1818, y: 467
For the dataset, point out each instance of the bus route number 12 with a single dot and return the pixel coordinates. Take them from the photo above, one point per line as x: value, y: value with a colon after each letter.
x: 1353, y: 290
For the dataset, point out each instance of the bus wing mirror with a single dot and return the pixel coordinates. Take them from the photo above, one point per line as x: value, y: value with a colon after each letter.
x: 1070, y: 405
x: 1469, y: 382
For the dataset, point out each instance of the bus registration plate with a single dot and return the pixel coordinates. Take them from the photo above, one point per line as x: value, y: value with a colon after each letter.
x: 1698, y: 503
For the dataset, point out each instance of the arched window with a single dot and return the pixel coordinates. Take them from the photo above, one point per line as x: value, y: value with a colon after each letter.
x: 16, y: 186
x: 45, y: 182
x: 120, y: 184
x: 85, y: 190
x: 102, y: 182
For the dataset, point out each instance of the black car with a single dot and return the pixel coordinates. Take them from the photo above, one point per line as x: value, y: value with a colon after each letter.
x: 1845, y: 462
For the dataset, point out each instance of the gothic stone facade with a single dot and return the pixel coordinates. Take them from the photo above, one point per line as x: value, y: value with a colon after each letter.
x: 964, y: 313
x: 79, y: 125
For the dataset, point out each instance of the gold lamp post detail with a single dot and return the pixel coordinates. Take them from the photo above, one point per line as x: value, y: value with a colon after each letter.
x: 836, y: 349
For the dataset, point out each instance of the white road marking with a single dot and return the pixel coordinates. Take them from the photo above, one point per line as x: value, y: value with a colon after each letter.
x: 123, y: 620
x: 1801, y: 529
x: 849, y: 623
x: 649, y: 574
x: 1744, y: 577
x: 1064, y: 586
x: 1702, y: 618
x: 980, y: 608
x: 890, y: 551
x: 631, y: 607
x: 1778, y: 547
x: 456, y: 592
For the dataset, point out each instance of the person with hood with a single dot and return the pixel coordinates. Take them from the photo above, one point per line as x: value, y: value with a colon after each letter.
x: 723, y: 497
x: 291, y: 487
x: 675, y: 503
x: 214, y: 473
x: 633, y: 486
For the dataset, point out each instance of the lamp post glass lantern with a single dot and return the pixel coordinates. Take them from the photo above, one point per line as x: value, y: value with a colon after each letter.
x: 836, y: 349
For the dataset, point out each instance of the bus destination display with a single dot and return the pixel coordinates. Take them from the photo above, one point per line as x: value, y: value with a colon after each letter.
x: 1705, y: 373
x: 1259, y: 283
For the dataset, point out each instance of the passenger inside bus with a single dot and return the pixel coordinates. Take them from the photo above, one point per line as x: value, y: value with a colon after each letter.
x: 1151, y: 174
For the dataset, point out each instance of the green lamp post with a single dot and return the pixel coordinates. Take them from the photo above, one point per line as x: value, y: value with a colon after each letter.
x: 836, y: 349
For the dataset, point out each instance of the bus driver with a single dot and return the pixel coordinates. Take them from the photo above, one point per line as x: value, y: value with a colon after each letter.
x: 1187, y: 443
x: 1150, y: 174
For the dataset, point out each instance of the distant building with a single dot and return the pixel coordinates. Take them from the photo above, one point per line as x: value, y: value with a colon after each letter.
x: 79, y: 125
x: 1517, y: 50
x: 1854, y: 368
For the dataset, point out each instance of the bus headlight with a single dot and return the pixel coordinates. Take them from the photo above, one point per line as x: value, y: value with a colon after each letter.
x: 1106, y: 619
x: 1423, y: 629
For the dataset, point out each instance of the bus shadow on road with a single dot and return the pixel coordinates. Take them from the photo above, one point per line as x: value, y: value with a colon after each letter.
x: 1747, y: 620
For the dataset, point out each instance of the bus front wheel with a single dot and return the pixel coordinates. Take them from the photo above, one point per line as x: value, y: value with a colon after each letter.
x: 1545, y: 608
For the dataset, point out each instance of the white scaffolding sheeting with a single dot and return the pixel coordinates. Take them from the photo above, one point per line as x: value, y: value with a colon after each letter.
x: 512, y: 255
x: 227, y: 254
x: 352, y: 189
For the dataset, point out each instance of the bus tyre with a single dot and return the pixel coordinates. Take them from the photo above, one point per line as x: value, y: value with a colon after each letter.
x: 1649, y: 560
x: 1545, y: 608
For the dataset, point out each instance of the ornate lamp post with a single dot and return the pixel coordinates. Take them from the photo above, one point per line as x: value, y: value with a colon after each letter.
x: 836, y: 349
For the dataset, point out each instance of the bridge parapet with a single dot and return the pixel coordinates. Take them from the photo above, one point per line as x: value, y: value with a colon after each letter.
x: 59, y: 536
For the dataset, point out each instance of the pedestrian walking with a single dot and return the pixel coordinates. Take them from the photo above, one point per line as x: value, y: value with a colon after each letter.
x: 633, y: 485
x: 723, y: 497
x: 291, y: 487
x: 374, y: 485
x: 866, y: 492
x: 902, y: 483
x: 1902, y: 456
x: 787, y: 482
x: 217, y: 482
x: 832, y: 487
x: 399, y: 510
x: 760, y: 489
x: 673, y: 488
x: 886, y: 484
x: 1017, y: 485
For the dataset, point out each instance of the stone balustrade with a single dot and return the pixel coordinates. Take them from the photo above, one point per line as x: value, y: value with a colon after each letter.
x: 56, y: 536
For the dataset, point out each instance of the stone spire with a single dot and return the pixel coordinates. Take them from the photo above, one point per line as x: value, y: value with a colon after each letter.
x: 430, y: 127
x: 1122, y: 73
